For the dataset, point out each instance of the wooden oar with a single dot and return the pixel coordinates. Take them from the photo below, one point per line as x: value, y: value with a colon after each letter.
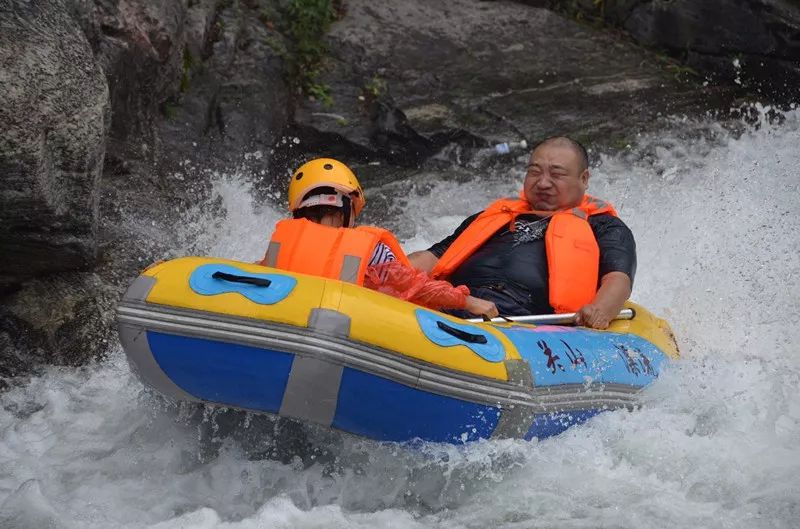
x: 553, y: 319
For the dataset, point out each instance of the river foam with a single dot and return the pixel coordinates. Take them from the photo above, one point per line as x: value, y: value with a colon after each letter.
x: 717, y: 220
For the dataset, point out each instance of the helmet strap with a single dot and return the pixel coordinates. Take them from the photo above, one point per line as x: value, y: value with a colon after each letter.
x: 347, y: 209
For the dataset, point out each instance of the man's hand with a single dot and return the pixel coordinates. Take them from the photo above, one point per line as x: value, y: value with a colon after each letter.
x: 615, y: 288
x: 481, y: 307
x: 595, y: 317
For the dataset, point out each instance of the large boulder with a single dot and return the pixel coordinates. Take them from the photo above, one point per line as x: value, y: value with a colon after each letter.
x: 749, y: 42
x: 55, y: 115
x: 141, y: 85
x: 62, y: 320
x: 407, y: 78
x: 150, y: 84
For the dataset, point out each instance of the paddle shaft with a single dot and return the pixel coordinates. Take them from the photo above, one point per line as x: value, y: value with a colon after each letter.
x: 554, y: 319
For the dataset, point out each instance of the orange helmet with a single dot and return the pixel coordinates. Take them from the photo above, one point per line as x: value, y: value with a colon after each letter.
x: 325, y: 172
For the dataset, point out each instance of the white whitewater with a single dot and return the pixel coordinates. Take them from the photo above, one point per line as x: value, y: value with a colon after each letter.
x: 717, y: 220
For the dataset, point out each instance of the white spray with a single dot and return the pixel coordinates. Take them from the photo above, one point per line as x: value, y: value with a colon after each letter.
x: 717, y: 221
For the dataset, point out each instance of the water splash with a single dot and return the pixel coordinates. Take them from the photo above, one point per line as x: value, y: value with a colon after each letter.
x: 717, y: 222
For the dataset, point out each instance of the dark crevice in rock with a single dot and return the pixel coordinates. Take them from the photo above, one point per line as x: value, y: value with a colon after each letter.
x: 394, y: 139
x: 315, y: 140
x: 111, y: 31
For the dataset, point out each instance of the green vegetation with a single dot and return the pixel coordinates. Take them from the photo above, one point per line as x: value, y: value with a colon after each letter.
x: 681, y: 72
x: 307, y: 21
x: 590, y: 13
x: 267, y: 17
x: 375, y: 87
x: 319, y: 91
x: 299, y: 38
x: 188, y: 62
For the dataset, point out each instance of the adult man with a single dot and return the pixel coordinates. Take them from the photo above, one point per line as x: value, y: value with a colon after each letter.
x: 552, y: 249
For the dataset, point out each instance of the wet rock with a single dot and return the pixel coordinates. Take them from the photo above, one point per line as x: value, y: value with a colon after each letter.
x: 57, y: 320
x: 751, y: 42
x: 193, y: 83
x: 190, y: 81
x: 55, y: 114
x: 233, y: 98
x: 164, y: 93
x: 408, y: 78
x: 19, y: 353
x: 139, y: 44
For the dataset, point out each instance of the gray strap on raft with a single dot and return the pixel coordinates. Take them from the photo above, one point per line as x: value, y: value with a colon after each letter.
x: 349, y: 271
x: 312, y: 391
x: 515, y: 419
x: 271, y: 259
x: 134, y: 340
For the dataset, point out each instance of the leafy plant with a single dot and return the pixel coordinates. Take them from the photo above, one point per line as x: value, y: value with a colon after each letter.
x: 375, y: 86
x: 307, y: 21
x: 320, y: 92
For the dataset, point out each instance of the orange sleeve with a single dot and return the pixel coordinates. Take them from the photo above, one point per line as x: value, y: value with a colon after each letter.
x: 404, y: 282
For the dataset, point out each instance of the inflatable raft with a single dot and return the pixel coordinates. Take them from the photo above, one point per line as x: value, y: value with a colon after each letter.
x: 245, y: 336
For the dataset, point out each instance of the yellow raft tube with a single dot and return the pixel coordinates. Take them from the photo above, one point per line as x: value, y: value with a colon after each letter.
x: 264, y: 340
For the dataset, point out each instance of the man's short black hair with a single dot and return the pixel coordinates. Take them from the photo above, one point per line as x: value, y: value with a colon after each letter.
x: 576, y: 146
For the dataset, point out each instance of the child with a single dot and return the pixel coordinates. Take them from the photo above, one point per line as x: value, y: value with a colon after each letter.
x: 325, y: 198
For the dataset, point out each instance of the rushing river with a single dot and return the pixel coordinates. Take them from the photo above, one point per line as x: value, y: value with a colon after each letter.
x: 716, y: 444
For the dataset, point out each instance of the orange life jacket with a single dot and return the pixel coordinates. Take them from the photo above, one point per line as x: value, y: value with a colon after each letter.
x: 573, y: 256
x: 299, y: 245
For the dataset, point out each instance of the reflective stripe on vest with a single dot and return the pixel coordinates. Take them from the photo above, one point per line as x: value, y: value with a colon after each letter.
x: 573, y: 257
x: 305, y: 247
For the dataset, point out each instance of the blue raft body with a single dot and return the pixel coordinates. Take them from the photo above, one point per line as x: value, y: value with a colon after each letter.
x: 550, y: 377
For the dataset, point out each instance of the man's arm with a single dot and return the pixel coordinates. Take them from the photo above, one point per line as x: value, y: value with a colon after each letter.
x: 617, y: 270
x: 615, y: 289
x: 423, y: 260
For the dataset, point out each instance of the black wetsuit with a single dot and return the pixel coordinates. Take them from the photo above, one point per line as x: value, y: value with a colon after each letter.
x: 510, y: 268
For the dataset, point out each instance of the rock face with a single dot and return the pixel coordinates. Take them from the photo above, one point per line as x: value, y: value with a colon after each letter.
x: 55, y: 115
x: 232, y: 98
x: 754, y: 42
x: 408, y: 78
x: 141, y: 85
x: 139, y: 45
x: 103, y: 101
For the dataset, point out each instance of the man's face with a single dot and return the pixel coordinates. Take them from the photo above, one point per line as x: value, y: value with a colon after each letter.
x: 555, y: 179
